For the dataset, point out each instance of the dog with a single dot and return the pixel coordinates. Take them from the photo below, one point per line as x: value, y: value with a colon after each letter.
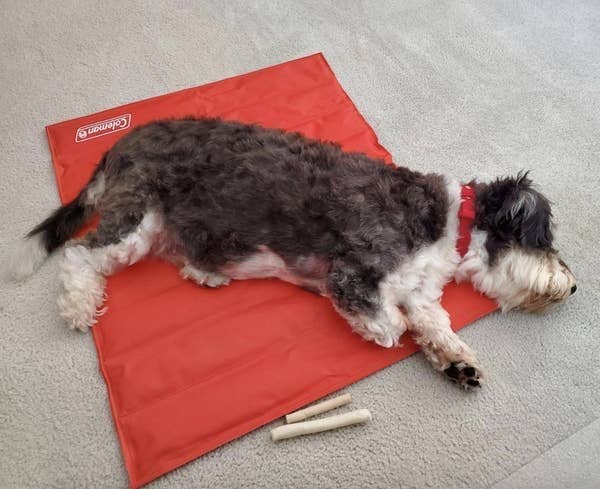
x: 224, y: 200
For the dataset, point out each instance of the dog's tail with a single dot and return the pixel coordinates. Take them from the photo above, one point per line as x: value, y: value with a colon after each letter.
x: 56, y: 229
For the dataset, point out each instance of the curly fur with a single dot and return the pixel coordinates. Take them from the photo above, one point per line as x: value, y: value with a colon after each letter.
x: 512, y: 211
x: 226, y: 200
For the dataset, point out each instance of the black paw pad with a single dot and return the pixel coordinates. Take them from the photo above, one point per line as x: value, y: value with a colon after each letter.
x: 463, y: 374
x: 469, y: 372
x: 452, y: 372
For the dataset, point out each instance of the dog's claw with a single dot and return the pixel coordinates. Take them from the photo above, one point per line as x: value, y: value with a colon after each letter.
x: 464, y: 374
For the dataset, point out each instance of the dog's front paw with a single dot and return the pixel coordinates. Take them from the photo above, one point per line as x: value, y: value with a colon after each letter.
x: 448, y: 354
x: 464, y: 374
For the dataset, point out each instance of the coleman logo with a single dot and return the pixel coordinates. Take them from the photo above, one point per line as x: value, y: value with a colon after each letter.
x: 102, y: 128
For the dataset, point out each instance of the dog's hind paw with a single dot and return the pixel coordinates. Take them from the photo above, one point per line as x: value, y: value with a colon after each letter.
x: 207, y: 279
x: 79, y: 313
x: 464, y: 374
x: 82, y: 296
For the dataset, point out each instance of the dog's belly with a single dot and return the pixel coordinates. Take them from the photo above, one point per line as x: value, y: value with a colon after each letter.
x: 308, y: 272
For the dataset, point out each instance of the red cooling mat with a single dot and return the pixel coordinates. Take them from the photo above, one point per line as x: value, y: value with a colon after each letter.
x: 189, y: 369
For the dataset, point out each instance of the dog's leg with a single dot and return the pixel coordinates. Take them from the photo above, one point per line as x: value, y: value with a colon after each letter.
x: 447, y: 353
x: 201, y: 277
x: 358, y: 299
x: 87, y: 261
x: 377, y: 325
x: 82, y: 288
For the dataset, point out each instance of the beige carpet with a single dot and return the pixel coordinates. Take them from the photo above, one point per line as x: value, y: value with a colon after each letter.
x: 467, y: 87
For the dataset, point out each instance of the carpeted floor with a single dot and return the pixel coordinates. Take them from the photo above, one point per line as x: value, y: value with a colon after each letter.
x: 467, y: 87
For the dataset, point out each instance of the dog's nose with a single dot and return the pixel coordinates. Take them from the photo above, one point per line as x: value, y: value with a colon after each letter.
x: 573, y: 289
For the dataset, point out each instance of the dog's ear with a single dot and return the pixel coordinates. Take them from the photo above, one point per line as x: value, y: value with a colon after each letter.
x: 512, y: 211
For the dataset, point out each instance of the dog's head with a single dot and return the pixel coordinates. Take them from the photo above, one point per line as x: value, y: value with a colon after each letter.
x: 516, y: 262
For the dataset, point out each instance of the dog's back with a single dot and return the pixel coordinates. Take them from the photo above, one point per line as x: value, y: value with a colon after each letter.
x: 225, y: 188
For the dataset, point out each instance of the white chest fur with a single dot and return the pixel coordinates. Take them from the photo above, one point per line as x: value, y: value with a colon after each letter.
x: 420, y: 278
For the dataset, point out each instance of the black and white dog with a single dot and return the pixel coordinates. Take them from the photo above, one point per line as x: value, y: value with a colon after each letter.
x: 225, y: 200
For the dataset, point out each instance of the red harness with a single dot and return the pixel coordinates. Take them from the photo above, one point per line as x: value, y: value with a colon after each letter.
x: 466, y: 216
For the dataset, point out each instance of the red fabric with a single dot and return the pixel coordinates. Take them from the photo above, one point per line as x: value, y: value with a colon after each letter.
x: 466, y: 216
x: 188, y: 369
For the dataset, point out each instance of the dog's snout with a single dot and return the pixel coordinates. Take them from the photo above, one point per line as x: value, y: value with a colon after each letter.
x: 573, y: 289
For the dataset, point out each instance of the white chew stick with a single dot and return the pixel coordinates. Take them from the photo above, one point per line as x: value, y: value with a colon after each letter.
x: 318, y: 425
x: 322, y: 407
